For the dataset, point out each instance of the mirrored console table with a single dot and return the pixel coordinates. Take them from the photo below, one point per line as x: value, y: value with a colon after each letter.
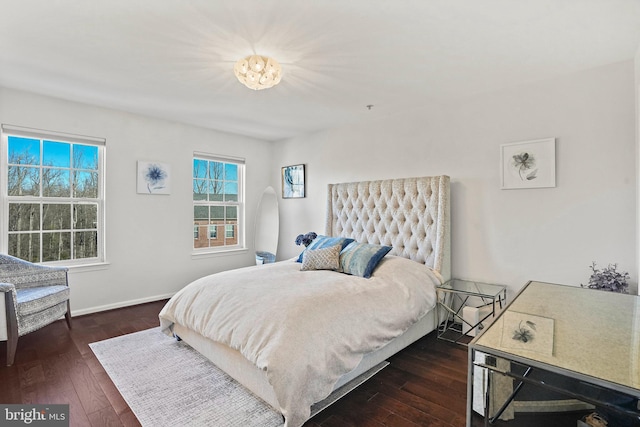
x: 580, y: 345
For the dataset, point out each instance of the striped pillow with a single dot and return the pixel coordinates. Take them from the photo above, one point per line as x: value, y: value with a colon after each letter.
x: 324, y: 242
x: 361, y: 259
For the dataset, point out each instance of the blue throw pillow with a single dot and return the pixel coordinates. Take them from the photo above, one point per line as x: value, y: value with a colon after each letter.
x: 360, y: 259
x: 325, y: 242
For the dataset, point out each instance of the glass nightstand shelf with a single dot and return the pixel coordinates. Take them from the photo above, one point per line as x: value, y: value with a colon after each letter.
x: 464, y: 307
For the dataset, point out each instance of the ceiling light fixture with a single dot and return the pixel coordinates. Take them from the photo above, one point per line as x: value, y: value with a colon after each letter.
x: 258, y: 72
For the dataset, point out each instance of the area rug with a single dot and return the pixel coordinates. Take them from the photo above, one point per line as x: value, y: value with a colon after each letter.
x: 167, y: 383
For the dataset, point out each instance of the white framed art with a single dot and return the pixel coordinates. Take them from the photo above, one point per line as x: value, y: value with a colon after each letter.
x: 528, y: 164
x: 153, y: 178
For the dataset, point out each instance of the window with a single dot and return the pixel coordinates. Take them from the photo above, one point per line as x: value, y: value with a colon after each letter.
x: 52, y: 196
x: 218, y: 202
x: 230, y: 231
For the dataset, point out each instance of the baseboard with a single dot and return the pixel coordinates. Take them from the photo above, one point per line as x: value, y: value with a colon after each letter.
x: 120, y: 304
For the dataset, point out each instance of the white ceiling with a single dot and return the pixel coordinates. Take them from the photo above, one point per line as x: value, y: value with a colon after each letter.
x: 174, y: 59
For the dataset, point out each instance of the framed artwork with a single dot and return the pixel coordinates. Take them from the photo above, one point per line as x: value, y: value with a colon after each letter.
x: 153, y: 178
x: 293, y: 182
x: 528, y: 164
x: 523, y: 331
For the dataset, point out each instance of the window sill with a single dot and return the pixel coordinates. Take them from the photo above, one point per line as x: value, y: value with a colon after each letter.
x: 81, y: 268
x: 217, y: 253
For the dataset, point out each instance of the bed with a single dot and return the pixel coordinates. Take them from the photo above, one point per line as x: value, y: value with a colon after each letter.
x: 293, y: 336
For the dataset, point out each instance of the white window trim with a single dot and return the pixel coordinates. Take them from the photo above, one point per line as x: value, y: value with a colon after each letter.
x: 7, y: 130
x: 241, y: 229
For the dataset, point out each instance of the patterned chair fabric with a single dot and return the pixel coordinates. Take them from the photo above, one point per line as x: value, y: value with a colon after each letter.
x: 34, y: 296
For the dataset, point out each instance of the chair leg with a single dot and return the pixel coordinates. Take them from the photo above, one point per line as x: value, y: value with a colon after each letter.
x: 67, y: 315
x: 12, y: 328
x: 12, y: 346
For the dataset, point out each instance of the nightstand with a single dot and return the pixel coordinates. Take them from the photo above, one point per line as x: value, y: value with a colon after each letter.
x: 465, y: 306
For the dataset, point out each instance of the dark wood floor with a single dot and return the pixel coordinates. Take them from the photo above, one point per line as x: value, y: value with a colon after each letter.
x: 424, y: 385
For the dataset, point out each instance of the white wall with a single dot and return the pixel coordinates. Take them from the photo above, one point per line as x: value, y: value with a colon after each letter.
x: 501, y: 236
x: 149, y: 239
x: 637, y: 113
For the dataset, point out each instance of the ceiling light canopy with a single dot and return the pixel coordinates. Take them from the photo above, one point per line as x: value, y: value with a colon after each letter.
x: 258, y: 72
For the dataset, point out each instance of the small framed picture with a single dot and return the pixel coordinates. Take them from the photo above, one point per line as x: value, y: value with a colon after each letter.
x: 528, y: 164
x: 153, y: 178
x: 293, y: 182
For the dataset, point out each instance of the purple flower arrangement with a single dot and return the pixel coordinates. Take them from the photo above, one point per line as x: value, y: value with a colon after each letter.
x: 306, y: 239
x: 608, y: 279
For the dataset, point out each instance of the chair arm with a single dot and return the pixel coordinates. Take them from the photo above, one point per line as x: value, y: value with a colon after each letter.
x: 7, y: 287
x: 24, y: 274
x: 27, y: 267
x: 30, y: 277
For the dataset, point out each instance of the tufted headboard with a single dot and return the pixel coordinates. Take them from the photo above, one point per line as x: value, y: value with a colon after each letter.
x: 411, y: 215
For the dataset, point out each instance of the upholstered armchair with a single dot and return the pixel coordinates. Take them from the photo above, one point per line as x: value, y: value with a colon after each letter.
x: 34, y: 296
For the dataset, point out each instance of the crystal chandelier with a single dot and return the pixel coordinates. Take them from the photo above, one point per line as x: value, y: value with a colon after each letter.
x: 258, y: 72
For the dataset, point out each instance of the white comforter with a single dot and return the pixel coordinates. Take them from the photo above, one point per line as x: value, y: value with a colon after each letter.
x: 305, y: 328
